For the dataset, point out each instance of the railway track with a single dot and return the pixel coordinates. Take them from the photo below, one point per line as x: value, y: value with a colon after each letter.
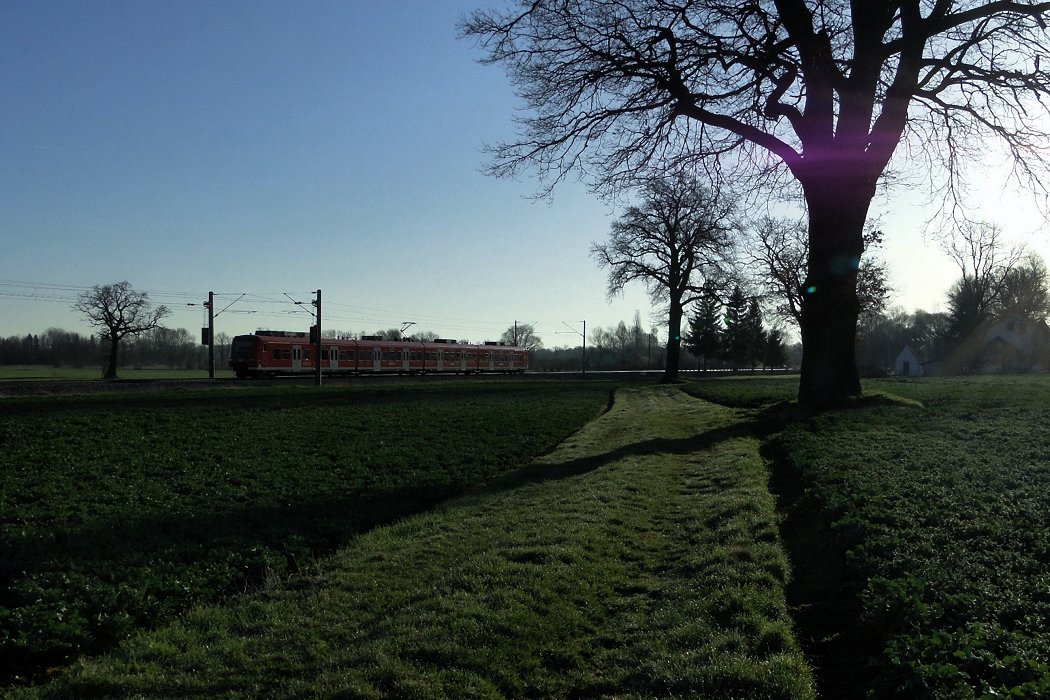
x: 60, y: 387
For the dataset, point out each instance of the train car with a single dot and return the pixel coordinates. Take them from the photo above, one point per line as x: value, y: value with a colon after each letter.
x: 271, y: 353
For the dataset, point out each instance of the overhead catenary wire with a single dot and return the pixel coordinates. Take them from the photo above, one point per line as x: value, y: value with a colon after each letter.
x: 267, y: 304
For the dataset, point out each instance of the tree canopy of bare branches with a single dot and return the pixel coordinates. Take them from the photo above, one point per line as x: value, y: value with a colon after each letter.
x: 522, y: 335
x: 778, y: 253
x: 815, y: 93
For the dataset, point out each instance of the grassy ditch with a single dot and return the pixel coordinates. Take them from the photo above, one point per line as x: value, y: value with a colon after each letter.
x: 118, y: 511
x: 922, y: 536
x: 639, y: 559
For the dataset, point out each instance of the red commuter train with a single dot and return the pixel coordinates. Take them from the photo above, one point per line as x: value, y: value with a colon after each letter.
x: 290, y: 352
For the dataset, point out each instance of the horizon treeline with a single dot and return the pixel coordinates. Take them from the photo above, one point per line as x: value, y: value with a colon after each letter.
x: 172, y: 348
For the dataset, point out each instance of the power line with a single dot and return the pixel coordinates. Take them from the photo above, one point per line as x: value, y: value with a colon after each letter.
x: 262, y: 304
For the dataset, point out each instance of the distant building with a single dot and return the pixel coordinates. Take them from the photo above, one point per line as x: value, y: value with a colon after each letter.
x: 1007, y: 344
x: 907, y: 363
x: 1014, y: 344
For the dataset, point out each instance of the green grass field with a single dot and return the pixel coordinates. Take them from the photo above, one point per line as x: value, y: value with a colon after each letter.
x: 931, y: 516
x: 639, y: 559
x: 120, y: 510
x: 249, y: 542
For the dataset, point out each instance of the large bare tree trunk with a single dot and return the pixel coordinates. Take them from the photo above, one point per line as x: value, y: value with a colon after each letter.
x: 837, y: 212
x: 111, y: 365
x: 674, y: 341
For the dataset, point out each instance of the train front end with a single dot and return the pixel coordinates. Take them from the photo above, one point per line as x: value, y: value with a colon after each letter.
x: 245, y: 356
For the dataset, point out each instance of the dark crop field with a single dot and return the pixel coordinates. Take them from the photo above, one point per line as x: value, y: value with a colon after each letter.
x: 119, y: 510
x: 178, y: 523
x: 919, y: 524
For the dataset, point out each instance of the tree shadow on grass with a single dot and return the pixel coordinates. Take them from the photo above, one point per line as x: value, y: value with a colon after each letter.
x: 534, y: 473
x: 823, y: 594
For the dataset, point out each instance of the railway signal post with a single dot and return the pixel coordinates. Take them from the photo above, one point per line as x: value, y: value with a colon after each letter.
x: 317, y: 342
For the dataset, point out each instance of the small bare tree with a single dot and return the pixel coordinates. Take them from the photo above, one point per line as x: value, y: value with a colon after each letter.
x: 522, y: 335
x: 676, y: 242
x: 118, y: 311
x: 985, y: 265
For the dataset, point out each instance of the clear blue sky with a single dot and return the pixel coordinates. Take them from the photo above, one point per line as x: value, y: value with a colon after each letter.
x: 272, y: 149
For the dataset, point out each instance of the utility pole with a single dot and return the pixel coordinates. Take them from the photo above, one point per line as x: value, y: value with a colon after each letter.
x: 208, y: 334
x: 583, y: 360
x: 583, y: 364
x: 317, y: 346
x: 211, y: 335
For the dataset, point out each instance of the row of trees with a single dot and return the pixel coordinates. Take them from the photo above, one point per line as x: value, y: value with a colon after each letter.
x: 718, y: 345
x: 802, y: 102
x: 736, y: 337
x: 690, y: 248
x: 520, y: 334
x: 623, y: 347
x: 996, y: 282
x: 686, y: 245
x: 158, y: 347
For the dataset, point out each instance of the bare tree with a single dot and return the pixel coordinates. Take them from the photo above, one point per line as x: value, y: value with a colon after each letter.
x: 814, y: 94
x: 522, y: 335
x: 984, y: 265
x: 676, y: 242
x: 118, y: 311
x: 1026, y: 292
x: 601, y: 338
x: 779, y: 254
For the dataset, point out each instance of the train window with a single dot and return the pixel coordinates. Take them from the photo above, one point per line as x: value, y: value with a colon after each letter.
x: 276, y: 353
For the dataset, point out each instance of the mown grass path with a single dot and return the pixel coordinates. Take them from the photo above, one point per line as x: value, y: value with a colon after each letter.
x: 639, y: 559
